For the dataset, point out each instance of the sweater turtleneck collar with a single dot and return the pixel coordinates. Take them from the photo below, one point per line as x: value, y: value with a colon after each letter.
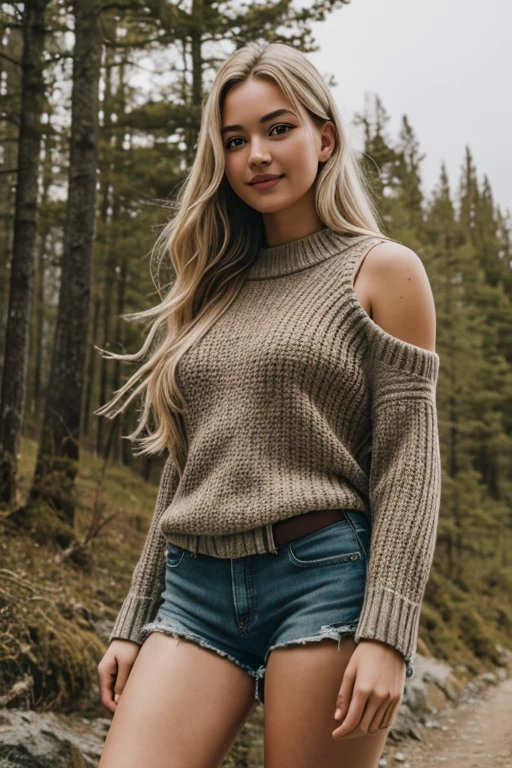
x: 297, y: 255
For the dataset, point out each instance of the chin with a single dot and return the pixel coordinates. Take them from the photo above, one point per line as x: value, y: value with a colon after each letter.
x: 271, y: 206
x: 275, y: 208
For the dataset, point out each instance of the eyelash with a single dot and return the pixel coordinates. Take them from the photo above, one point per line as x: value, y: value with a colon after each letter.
x: 278, y: 125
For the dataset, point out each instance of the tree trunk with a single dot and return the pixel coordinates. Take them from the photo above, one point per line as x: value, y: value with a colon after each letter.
x: 57, y: 460
x: 9, y: 130
x: 91, y: 369
x: 22, y: 271
x: 38, y: 320
x: 116, y: 449
x: 102, y: 310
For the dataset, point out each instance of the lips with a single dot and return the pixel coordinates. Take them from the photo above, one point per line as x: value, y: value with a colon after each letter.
x: 262, y: 179
x: 263, y: 186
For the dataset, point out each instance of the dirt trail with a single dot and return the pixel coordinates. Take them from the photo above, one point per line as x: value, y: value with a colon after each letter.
x: 476, y: 734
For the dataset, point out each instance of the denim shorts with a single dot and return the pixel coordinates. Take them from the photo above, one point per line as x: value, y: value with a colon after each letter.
x: 243, y: 608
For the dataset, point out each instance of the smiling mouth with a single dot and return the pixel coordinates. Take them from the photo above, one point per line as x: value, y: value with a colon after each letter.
x: 268, y: 184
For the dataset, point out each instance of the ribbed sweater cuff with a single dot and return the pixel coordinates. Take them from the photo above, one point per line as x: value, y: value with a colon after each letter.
x: 391, y: 618
x: 134, y: 613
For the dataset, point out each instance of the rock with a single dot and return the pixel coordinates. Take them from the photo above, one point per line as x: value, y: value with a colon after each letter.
x: 489, y: 677
x: 103, y: 627
x: 502, y: 674
x: 406, y: 724
x: 32, y: 739
x: 435, y: 698
x: 451, y: 687
x: 505, y: 655
x: 432, y: 687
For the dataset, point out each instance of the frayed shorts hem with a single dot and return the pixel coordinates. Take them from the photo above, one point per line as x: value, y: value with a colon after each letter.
x: 186, y: 635
x: 328, y: 632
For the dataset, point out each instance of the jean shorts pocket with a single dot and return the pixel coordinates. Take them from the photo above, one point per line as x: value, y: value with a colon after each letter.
x: 175, y: 555
x: 332, y: 545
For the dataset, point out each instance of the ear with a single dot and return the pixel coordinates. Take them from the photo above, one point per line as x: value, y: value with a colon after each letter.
x: 328, y: 141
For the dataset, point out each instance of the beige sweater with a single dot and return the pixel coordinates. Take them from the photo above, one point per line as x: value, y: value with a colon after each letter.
x: 297, y: 400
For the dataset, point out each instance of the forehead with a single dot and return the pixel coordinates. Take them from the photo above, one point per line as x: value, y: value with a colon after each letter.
x: 248, y: 101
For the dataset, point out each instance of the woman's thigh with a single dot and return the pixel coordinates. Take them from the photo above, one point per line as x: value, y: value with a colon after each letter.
x: 301, y: 686
x: 182, y: 706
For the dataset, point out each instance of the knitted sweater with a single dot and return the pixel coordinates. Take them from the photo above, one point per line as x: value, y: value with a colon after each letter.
x: 297, y: 400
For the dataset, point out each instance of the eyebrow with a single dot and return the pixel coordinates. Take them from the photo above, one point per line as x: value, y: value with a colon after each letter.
x: 263, y: 119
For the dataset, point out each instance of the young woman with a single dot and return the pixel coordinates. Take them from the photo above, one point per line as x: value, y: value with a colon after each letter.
x: 290, y: 372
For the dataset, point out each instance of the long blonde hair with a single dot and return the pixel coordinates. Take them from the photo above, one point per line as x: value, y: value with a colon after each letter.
x: 211, y: 257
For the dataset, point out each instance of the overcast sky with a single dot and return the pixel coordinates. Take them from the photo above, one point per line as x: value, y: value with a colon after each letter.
x: 446, y: 64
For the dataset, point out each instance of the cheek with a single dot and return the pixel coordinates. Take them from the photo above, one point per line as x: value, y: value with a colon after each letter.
x: 234, y: 169
x: 303, y: 165
x: 301, y: 155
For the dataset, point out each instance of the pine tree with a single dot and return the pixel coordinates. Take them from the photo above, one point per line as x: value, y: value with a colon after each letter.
x: 13, y: 392
x: 58, y: 452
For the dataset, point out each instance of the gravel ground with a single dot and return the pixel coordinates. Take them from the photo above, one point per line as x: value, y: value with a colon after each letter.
x: 474, y: 734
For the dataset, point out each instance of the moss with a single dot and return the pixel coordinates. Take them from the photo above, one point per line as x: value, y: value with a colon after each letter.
x: 52, y: 608
x: 476, y: 633
x: 45, y: 638
x: 442, y: 642
x: 43, y: 524
x: 499, y: 580
x: 464, y: 627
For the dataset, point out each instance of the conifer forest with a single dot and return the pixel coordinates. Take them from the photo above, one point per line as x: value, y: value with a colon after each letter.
x: 101, y: 106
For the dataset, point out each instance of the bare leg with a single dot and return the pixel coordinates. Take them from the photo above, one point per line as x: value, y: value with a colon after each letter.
x: 182, y: 706
x: 301, y: 685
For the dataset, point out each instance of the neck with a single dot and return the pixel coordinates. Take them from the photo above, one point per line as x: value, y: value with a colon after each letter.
x: 290, y: 225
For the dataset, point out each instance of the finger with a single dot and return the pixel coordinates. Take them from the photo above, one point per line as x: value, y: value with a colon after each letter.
x: 354, y: 714
x: 107, y: 678
x: 374, y: 705
x: 390, y: 716
x: 387, y: 718
x: 345, y: 694
x: 379, y: 719
x: 122, y: 676
x: 355, y: 734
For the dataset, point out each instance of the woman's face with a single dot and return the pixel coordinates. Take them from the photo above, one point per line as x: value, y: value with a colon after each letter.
x: 257, y: 142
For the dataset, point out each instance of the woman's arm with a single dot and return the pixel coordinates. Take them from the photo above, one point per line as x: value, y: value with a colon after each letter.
x: 148, y: 579
x: 404, y: 485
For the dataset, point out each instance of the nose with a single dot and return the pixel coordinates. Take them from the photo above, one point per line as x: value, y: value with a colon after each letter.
x: 259, y: 153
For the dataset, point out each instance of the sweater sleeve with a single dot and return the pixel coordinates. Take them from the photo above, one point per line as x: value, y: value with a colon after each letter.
x: 404, y: 490
x: 148, y: 579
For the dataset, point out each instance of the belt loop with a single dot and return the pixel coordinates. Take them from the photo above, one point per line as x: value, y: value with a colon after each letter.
x: 272, y: 544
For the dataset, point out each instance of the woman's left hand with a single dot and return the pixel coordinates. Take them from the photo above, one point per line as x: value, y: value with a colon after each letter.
x: 371, y: 690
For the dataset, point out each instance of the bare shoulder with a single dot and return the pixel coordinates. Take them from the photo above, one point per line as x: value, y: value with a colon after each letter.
x: 400, y: 294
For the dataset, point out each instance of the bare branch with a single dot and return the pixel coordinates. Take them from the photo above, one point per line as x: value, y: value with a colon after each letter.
x: 8, y: 58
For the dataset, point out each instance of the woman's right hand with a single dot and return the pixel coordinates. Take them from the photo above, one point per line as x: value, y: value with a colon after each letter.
x: 114, y: 669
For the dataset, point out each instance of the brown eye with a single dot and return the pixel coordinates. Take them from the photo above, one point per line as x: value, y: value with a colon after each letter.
x: 279, y: 125
x: 227, y: 145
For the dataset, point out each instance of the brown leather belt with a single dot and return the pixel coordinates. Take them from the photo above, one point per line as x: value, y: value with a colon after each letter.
x: 292, y: 528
